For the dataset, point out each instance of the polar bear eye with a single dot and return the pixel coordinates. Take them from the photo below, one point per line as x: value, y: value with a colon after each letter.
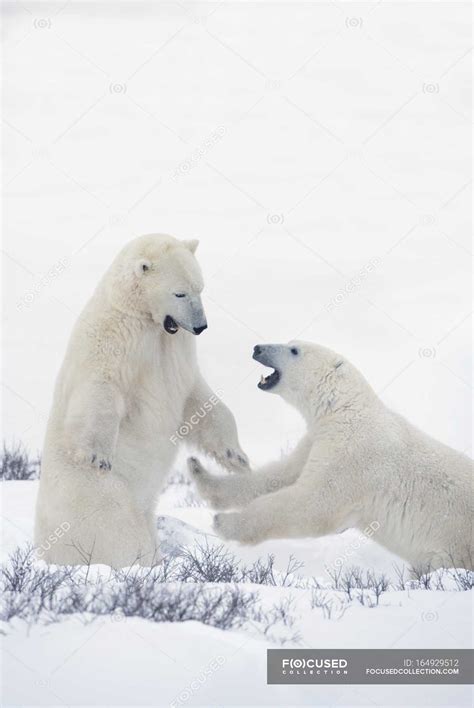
x: 294, y: 351
x: 180, y: 294
x: 145, y: 267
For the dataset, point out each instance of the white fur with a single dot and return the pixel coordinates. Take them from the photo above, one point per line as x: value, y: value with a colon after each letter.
x: 358, y: 463
x: 124, y: 389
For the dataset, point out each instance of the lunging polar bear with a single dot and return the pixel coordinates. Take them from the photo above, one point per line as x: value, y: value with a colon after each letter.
x: 129, y: 380
x: 359, y: 463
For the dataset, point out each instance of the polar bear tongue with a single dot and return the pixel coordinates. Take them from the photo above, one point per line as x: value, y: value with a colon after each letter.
x: 170, y: 325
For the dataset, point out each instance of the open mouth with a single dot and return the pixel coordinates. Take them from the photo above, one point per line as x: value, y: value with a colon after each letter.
x: 262, y: 356
x: 268, y: 382
x: 170, y: 325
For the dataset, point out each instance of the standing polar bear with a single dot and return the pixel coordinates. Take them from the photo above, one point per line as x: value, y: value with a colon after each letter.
x: 359, y: 463
x: 129, y: 380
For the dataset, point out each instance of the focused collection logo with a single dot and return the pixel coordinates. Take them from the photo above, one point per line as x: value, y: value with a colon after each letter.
x: 313, y: 666
x: 369, y: 666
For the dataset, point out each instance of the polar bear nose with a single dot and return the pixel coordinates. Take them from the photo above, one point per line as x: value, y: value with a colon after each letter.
x: 198, y: 330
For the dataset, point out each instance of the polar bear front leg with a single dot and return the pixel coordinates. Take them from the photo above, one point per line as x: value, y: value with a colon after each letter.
x: 292, y: 512
x: 281, y: 514
x: 232, y: 492
x: 92, y: 424
x: 212, y: 428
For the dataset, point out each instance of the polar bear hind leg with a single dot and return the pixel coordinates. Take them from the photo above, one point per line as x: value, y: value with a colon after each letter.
x: 98, y: 524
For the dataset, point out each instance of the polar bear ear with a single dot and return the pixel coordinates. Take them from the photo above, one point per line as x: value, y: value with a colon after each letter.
x: 142, y: 266
x: 191, y: 245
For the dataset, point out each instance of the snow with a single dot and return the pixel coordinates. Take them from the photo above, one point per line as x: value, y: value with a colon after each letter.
x: 137, y: 663
x: 305, y: 144
x: 127, y: 660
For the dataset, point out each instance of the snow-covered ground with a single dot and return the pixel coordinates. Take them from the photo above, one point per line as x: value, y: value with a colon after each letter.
x: 320, y: 151
x: 127, y: 660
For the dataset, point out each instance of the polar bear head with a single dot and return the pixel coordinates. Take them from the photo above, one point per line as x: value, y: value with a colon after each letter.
x: 158, y: 276
x: 314, y: 379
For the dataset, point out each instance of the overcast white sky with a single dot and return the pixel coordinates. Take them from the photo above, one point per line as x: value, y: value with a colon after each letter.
x: 302, y: 143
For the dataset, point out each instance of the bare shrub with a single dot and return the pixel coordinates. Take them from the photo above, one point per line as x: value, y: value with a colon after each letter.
x: 463, y: 578
x: 208, y: 563
x: 37, y: 593
x: 332, y: 606
x: 17, y: 465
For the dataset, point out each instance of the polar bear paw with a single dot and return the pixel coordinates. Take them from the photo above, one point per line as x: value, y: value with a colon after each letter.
x: 102, y: 463
x: 236, y: 458
x: 227, y: 526
x: 90, y: 458
x: 195, y: 467
x: 232, y: 459
x: 209, y: 486
x: 202, y: 479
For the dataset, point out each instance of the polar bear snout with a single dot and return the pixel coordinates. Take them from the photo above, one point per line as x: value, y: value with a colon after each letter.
x: 187, y: 312
x: 266, y: 354
x: 269, y: 355
x: 196, y: 314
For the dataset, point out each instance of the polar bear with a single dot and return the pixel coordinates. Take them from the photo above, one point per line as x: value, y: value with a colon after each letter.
x: 358, y: 463
x: 130, y: 378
